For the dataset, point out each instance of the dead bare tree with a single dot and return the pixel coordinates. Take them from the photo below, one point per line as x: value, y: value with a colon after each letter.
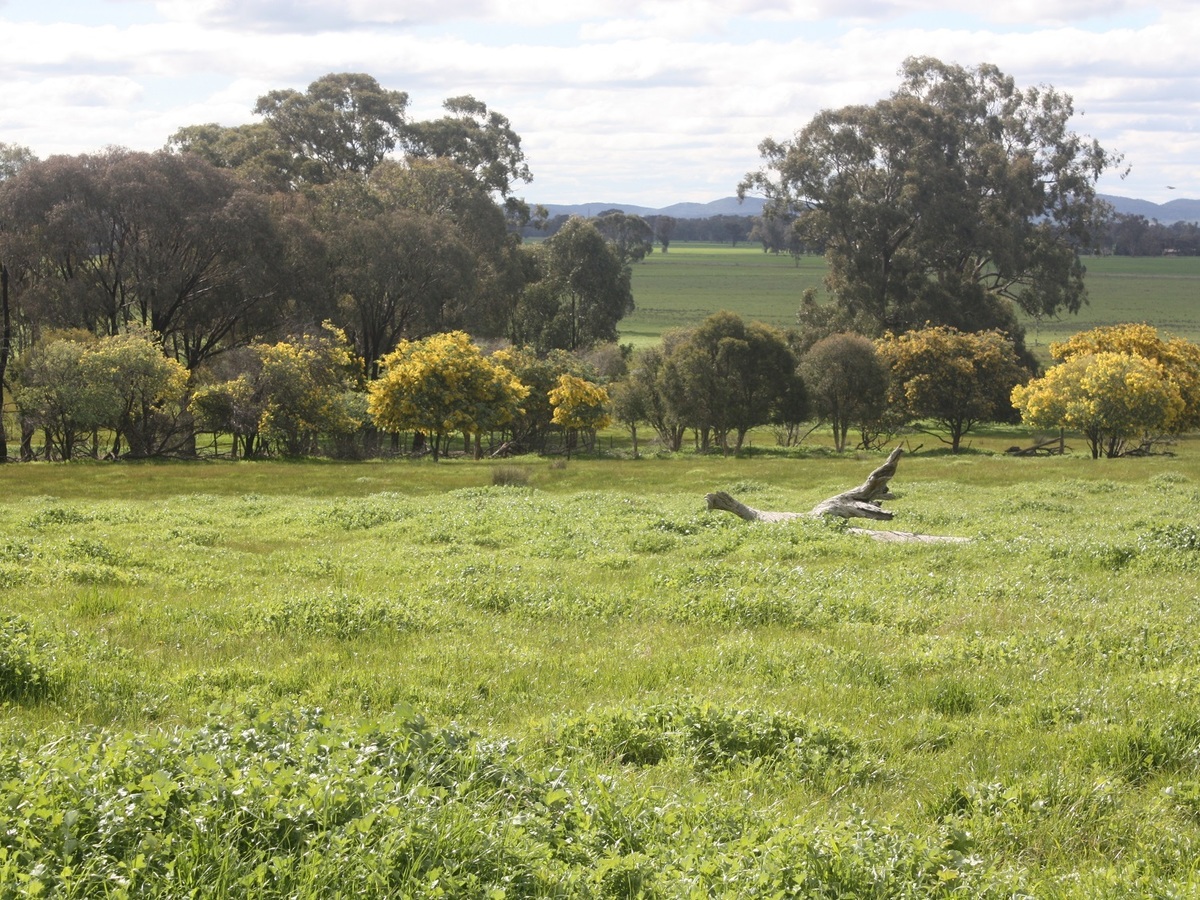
x: 862, y: 502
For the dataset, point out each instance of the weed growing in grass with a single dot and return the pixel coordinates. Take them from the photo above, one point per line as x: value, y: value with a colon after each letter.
x: 510, y: 476
x: 345, y: 616
x: 367, y: 512
x: 26, y: 664
x: 1141, y: 749
x: 711, y: 738
x: 287, y: 803
x: 54, y: 516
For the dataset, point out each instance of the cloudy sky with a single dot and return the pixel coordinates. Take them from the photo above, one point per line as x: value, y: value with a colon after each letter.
x: 635, y: 101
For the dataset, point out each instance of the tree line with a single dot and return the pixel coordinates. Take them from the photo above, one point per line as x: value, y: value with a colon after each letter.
x: 1134, y: 235
x: 660, y: 230
x: 338, y: 278
x: 333, y: 207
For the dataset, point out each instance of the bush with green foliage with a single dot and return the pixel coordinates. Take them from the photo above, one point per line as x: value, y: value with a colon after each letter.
x: 26, y: 665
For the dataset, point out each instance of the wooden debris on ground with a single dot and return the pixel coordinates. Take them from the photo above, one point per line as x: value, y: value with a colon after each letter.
x: 862, y: 502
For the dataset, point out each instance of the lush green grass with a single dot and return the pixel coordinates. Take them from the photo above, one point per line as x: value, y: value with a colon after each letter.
x: 1163, y: 291
x: 589, y: 686
x: 693, y: 280
x: 680, y: 288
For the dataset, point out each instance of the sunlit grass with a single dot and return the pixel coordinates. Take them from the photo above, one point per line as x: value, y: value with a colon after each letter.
x: 693, y: 281
x: 1034, y: 689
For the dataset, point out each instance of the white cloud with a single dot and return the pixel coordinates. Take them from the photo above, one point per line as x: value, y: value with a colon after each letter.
x: 649, y: 102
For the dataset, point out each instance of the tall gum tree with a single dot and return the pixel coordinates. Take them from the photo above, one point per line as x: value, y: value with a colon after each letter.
x: 160, y: 240
x: 582, y: 290
x: 483, y: 142
x: 13, y: 158
x: 955, y: 199
x: 443, y: 189
x: 343, y: 122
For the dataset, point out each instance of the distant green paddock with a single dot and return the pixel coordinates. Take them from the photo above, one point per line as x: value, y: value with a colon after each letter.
x: 692, y: 281
x: 1163, y: 291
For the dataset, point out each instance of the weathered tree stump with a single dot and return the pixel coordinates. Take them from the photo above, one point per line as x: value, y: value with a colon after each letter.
x: 862, y: 502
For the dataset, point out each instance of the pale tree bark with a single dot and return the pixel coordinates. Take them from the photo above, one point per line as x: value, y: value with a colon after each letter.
x: 862, y: 502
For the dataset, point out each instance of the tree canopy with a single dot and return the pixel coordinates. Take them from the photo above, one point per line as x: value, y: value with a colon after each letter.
x: 1109, y: 396
x: 631, y: 235
x: 443, y: 384
x: 951, y: 378
x: 157, y: 240
x: 580, y: 292
x: 579, y: 405
x: 1179, y: 358
x: 74, y: 384
x: 726, y: 376
x: 481, y: 141
x: 947, y: 202
x: 1114, y: 383
x: 846, y: 382
x: 344, y: 122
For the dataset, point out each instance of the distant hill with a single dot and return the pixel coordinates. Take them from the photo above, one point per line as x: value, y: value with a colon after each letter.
x: 1166, y: 213
x: 730, y: 206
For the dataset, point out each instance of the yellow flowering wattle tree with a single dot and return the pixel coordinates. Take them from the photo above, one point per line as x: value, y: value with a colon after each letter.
x: 1109, y: 397
x: 1179, y: 358
x: 292, y: 396
x: 441, y: 385
x: 579, y: 406
x: 306, y: 387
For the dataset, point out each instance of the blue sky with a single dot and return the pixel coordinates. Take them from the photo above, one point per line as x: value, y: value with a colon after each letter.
x: 635, y: 101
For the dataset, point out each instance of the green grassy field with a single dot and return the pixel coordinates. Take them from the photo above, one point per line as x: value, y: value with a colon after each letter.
x: 1162, y: 291
x: 398, y: 679
x: 402, y: 679
x: 680, y: 288
x: 693, y: 280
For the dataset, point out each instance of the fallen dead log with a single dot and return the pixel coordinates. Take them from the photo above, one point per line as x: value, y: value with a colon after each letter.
x: 862, y: 502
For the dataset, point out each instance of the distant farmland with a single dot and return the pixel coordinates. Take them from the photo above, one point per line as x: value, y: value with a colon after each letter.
x: 683, y: 286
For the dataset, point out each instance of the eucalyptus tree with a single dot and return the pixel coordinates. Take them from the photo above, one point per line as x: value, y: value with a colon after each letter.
x: 444, y: 190
x: 727, y: 376
x: 581, y: 291
x: 846, y: 382
x: 6, y: 333
x: 954, y: 199
x: 253, y: 150
x: 344, y: 150
x: 13, y: 157
x: 664, y: 230
x: 343, y: 122
x: 163, y: 241
x: 399, y: 275
x: 480, y: 140
x: 631, y: 235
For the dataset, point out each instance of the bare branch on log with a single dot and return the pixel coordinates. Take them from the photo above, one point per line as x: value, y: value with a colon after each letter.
x: 722, y: 500
x: 862, y: 502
